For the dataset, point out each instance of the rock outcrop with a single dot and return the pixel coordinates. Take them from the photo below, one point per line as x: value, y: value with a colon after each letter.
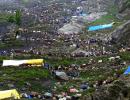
x: 118, y: 90
x: 122, y: 5
x: 121, y: 32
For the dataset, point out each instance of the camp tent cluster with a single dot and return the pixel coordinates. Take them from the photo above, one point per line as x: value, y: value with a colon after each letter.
x: 35, y: 62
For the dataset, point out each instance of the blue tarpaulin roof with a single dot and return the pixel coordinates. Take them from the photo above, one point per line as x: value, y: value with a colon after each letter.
x: 127, y: 71
x: 99, y: 27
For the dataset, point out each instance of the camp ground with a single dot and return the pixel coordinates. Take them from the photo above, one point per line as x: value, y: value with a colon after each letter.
x: 9, y: 94
x: 100, y: 27
x: 32, y: 62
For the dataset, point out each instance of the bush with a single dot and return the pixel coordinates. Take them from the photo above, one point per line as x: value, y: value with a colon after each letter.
x: 114, y: 91
x: 125, y: 56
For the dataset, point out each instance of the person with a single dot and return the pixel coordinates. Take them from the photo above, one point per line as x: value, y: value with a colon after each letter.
x: 46, y: 66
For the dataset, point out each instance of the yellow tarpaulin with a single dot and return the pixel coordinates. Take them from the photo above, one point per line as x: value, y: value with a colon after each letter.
x: 22, y: 62
x: 35, y: 61
x: 9, y: 94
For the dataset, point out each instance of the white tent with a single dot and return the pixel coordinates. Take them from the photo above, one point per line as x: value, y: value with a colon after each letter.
x: 20, y: 62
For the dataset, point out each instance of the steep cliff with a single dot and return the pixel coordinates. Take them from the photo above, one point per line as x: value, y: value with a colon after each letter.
x: 121, y: 32
x: 123, y: 5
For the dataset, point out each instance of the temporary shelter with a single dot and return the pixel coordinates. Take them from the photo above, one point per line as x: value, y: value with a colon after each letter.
x: 9, y: 94
x: 23, y: 62
x: 100, y: 27
x: 127, y: 71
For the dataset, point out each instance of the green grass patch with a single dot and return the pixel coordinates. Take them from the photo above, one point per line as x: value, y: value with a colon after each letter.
x: 66, y: 61
x: 23, y: 74
x: 11, y: 43
x: 32, y: 72
x: 93, y: 75
x: 106, y: 19
x: 5, y: 16
x: 125, y: 56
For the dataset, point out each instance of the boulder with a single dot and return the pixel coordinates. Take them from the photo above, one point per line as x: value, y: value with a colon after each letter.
x: 11, y: 85
x: 48, y: 95
x: 84, y: 86
x: 73, y: 73
x: 61, y: 75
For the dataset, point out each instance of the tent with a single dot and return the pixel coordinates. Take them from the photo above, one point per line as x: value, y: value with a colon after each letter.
x: 99, y: 27
x: 127, y: 71
x: 9, y: 94
x: 22, y: 62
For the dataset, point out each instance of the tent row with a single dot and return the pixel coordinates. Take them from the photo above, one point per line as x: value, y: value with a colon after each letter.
x: 33, y: 62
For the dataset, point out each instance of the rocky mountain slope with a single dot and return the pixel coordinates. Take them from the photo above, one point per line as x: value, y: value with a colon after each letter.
x: 121, y: 32
x: 118, y: 90
x: 123, y: 5
x: 94, y: 63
